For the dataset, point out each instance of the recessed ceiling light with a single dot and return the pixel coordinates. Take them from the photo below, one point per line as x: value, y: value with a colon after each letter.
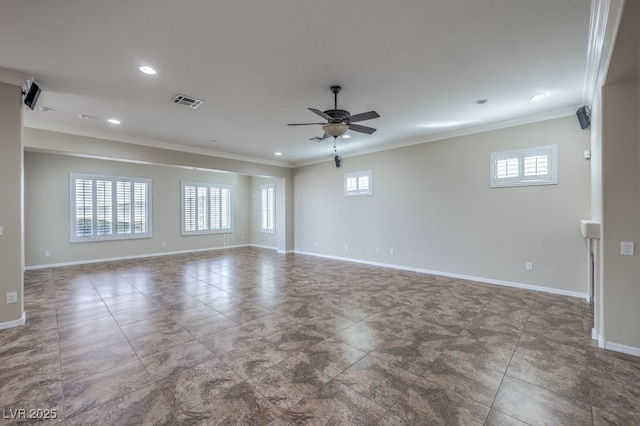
x: 536, y: 97
x: 346, y: 136
x: 147, y: 70
x: 113, y: 121
x: 278, y: 154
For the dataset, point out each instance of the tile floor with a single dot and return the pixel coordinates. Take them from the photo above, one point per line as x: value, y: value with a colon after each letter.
x: 248, y: 336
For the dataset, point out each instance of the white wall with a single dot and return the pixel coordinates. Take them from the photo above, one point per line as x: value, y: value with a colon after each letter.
x: 433, y: 206
x: 47, y: 210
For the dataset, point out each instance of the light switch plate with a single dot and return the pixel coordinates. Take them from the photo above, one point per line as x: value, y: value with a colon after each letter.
x: 627, y: 248
x: 1, y: 230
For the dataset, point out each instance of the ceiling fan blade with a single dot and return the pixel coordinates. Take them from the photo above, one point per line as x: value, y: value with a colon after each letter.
x: 364, y: 116
x: 361, y: 129
x: 305, y: 124
x: 321, y: 114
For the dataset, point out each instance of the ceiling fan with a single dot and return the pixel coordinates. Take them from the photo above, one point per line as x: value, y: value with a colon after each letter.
x: 339, y: 120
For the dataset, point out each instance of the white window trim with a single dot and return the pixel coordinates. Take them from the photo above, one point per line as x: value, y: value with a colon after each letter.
x: 268, y: 210
x: 357, y: 190
x: 208, y: 186
x: 74, y: 238
x: 520, y: 180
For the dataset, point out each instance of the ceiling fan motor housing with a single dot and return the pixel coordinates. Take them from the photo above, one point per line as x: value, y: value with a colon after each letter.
x: 338, y: 115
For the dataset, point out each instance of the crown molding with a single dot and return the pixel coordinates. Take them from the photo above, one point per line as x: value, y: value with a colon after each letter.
x: 603, y: 29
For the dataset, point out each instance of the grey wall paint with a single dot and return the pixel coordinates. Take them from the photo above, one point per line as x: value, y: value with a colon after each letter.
x: 47, y: 209
x: 433, y: 206
x: 11, y: 243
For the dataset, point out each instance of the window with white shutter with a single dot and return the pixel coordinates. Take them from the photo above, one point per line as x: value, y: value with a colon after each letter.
x: 267, y: 223
x: 358, y: 183
x: 535, y: 166
x: 109, y: 208
x: 206, y: 208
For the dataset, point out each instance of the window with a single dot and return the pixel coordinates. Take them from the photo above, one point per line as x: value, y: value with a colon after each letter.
x: 358, y: 183
x: 535, y: 166
x: 267, y: 223
x: 109, y: 208
x: 206, y: 208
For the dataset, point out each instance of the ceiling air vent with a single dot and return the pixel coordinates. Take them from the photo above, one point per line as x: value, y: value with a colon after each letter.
x: 189, y: 101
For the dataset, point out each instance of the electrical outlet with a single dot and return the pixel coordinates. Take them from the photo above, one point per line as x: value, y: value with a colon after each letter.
x: 346, y: 247
x: 627, y: 248
x: 12, y: 298
x: 46, y: 253
x: 528, y: 266
x: 391, y: 251
x: 316, y: 244
x: 1, y: 230
x: 164, y: 244
x: 377, y: 249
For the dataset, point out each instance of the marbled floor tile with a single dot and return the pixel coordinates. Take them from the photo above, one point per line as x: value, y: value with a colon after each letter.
x: 145, y: 406
x: 86, y: 309
x: 205, y: 328
x: 198, y: 384
x: 251, y: 358
x: 87, y: 393
x: 377, y: 380
x: 287, y: 382
x: 621, y: 397
x: 239, y: 405
x: 327, y: 324
x: 537, y: 406
x: 330, y: 357
x: 334, y: 404
x: 419, y: 406
x: 562, y: 379
x: 31, y: 384
x: 246, y: 313
x: 228, y: 339
x: 539, y: 345
x: 71, y: 330
x: 84, y: 364
x: 91, y: 342
x: 571, y: 324
x: 616, y: 366
x: 269, y: 324
x: 185, y: 317
x: 412, y: 355
x: 496, y: 418
x: 462, y: 378
x: 605, y: 417
x: 296, y: 338
x: 361, y: 336
x: 486, y: 355
x: 74, y: 317
x: 175, y: 358
x: 152, y: 343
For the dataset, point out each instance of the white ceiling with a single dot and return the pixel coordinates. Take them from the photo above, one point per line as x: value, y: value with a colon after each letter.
x: 258, y: 65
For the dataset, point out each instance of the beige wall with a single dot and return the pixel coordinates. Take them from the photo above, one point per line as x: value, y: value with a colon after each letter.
x: 621, y: 213
x: 433, y: 206
x: 617, y: 184
x: 47, y: 210
x: 11, y: 243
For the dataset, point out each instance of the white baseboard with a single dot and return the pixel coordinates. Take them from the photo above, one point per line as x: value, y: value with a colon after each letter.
x: 136, y: 256
x: 617, y: 347
x: 263, y: 247
x: 459, y: 276
x: 15, y: 323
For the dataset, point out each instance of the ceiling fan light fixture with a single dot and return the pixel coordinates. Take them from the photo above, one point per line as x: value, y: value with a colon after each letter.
x: 335, y: 129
